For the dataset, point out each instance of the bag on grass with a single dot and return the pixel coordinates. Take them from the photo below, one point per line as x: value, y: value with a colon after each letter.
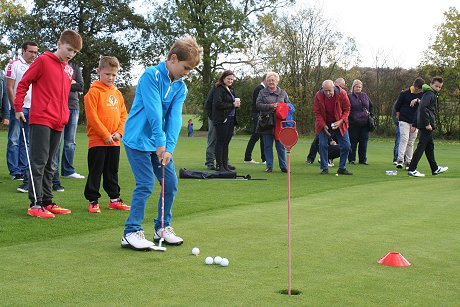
x: 189, y: 174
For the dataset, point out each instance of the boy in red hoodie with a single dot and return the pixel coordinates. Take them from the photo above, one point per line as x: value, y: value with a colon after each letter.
x: 51, y: 77
x: 105, y: 117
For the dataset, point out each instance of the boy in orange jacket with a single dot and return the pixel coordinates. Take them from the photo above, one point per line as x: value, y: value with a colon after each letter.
x: 106, y: 116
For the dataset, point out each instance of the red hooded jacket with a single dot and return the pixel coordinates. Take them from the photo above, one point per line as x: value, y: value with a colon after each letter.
x: 341, y: 109
x: 51, y: 80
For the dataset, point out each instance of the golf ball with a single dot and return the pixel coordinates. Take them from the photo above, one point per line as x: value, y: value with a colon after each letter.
x: 208, y: 260
x: 337, y: 175
x: 217, y: 259
x: 195, y: 251
x: 224, y: 262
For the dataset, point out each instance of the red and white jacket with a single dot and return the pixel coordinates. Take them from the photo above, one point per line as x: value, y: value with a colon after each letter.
x: 51, y: 80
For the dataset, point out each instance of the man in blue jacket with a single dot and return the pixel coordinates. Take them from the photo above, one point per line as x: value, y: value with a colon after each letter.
x: 426, y: 123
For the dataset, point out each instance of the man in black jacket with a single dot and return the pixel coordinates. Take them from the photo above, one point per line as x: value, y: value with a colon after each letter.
x: 426, y: 123
x: 406, y: 109
x: 254, y: 135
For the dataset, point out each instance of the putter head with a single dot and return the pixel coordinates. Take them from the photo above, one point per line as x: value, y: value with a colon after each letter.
x: 158, y: 248
x: 161, y: 241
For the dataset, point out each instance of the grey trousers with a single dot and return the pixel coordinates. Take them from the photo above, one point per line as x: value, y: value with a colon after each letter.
x: 44, y: 143
x: 211, y: 146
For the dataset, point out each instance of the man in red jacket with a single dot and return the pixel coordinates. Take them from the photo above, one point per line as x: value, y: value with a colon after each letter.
x: 51, y: 77
x: 332, y: 107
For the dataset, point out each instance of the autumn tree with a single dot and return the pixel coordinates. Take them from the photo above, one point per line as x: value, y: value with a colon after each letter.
x: 305, y: 50
x: 224, y: 28
x: 10, y: 12
x: 443, y: 58
x: 107, y: 27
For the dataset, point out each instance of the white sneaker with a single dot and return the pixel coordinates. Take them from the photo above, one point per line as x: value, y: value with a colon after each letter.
x: 251, y: 162
x: 441, y: 169
x: 415, y: 174
x: 75, y: 176
x: 169, y: 235
x: 136, y: 240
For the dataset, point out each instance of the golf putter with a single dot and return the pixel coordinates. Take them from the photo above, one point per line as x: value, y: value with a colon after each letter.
x: 162, y: 206
x: 159, y: 247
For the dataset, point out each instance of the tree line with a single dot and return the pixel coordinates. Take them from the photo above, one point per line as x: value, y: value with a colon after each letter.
x: 251, y: 36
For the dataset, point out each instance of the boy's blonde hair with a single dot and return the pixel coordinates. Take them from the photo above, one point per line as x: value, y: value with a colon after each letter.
x: 187, y: 49
x: 108, y: 61
x: 72, y: 38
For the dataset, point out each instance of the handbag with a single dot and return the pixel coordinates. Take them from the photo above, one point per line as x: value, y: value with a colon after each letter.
x: 371, y: 122
x: 265, y: 122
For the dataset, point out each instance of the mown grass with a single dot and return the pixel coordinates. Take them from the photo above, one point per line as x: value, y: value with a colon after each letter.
x: 341, y: 227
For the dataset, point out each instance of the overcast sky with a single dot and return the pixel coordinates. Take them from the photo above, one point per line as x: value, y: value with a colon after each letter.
x: 399, y: 30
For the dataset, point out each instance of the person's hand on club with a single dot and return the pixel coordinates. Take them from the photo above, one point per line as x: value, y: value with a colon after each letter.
x: 20, y: 116
x: 165, y: 158
x: 326, y: 129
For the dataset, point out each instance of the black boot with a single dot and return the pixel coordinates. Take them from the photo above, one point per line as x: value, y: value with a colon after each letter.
x: 226, y: 168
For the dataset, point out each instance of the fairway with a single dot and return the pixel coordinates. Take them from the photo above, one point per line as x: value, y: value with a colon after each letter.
x: 341, y: 227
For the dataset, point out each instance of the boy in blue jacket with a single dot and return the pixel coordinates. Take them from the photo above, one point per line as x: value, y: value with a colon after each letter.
x: 151, y: 134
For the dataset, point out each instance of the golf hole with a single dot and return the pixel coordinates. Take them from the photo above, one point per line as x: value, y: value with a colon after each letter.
x: 293, y: 292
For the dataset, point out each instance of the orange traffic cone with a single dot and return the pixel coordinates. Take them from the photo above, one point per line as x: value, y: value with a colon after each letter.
x: 394, y: 259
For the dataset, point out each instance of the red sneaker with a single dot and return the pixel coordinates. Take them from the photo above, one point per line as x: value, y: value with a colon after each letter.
x: 53, y: 208
x: 93, y: 207
x: 40, y: 212
x: 119, y: 205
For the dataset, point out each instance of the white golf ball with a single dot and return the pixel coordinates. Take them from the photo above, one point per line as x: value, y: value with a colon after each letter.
x: 195, y: 251
x: 217, y: 259
x: 208, y: 260
x: 224, y: 262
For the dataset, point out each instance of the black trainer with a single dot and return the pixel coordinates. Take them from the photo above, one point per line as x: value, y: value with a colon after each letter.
x: 344, y: 171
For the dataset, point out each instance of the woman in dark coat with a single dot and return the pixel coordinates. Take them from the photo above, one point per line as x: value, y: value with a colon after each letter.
x: 361, y: 108
x: 224, y: 107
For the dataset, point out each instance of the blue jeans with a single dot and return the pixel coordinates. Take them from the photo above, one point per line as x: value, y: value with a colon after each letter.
x: 396, y: 147
x: 344, y: 143
x: 68, y: 153
x: 145, y: 167
x: 16, y: 157
x: 268, y: 151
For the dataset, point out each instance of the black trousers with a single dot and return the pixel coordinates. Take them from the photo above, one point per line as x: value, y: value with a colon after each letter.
x: 224, y: 134
x: 253, y: 140
x: 103, y: 162
x: 425, y: 144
